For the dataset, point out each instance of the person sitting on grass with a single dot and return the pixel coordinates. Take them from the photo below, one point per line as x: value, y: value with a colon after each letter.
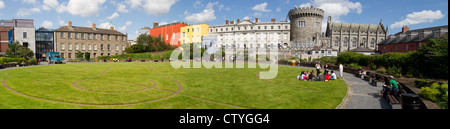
x: 333, y: 76
x: 300, y: 77
x: 305, y: 76
x: 320, y: 77
x: 311, y: 76
x: 327, y: 77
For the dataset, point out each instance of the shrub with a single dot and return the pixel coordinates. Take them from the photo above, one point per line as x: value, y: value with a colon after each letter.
x: 355, y: 66
x: 382, y: 70
x: 430, y: 93
x: 4, y: 60
x: 422, y: 83
x: 32, y: 60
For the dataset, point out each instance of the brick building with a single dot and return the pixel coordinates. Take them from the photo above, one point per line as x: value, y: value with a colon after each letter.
x: 98, y: 42
x: 411, y: 40
x: 169, y: 32
x: 6, y: 36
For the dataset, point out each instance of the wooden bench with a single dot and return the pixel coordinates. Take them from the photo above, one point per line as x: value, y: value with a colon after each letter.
x: 395, y: 103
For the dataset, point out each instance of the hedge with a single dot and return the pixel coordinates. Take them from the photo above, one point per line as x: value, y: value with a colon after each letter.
x: 138, y: 56
x: 4, y: 60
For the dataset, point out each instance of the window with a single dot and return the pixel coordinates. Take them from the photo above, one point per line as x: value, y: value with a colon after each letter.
x: 95, y: 55
x: 70, y: 55
x: 271, y: 27
x: 167, y: 36
x: 406, y: 48
x: 109, y: 47
x: 24, y: 35
x: 198, y: 29
x: 70, y: 47
x: 95, y: 36
x: 354, y: 42
x: 82, y: 36
x: 62, y: 55
x: 102, y: 37
x: 76, y: 35
x: 89, y: 47
x: 77, y: 47
x: 317, y: 24
x: 63, y: 46
x: 117, y: 47
x: 123, y: 47
x: 188, y: 30
x: 372, y: 43
x: 173, y: 35
x: 101, y: 47
x: 265, y: 27
x: 62, y: 34
x: 69, y: 35
x: 301, y: 24
x: 95, y: 47
x: 109, y: 37
x: 184, y: 34
x: 117, y: 38
x: 345, y: 42
x: 259, y: 27
x: 286, y: 27
x: 83, y: 47
x: 336, y: 42
x: 89, y: 36
x: 25, y: 44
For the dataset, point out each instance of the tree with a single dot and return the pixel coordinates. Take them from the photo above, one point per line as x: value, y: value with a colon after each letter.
x: 79, y: 55
x: 87, y: 55
x: 18, y: 51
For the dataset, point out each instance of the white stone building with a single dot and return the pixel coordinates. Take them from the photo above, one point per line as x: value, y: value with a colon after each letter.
x: 252, y: 35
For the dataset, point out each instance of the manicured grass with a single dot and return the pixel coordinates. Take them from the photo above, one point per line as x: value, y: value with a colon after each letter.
x: 130, y: 86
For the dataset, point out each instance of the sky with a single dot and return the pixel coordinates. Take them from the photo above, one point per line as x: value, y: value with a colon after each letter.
x: 127, y: 16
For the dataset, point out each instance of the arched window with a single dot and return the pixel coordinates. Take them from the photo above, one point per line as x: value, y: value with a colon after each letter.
x: 354, y: 42
x: 372, y: 43
x: 337, y: 41
x: 345, y: 42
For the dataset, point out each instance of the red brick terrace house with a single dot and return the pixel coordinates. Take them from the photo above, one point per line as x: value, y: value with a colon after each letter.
x: 410, y: 40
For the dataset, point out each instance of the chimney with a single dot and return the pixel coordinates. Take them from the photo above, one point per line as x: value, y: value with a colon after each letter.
x: 111, y: 28
x: 94, y: 27
x: 238, y: 21
x: 69, y: 24
x: 273, y: 19
x: 256, y: 20
x: 231, y: 22
x: 155, y: 24
x: 226, y: 22
x: 405, y: 29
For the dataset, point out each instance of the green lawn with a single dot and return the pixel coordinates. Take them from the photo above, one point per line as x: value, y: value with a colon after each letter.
x: 139, y: 86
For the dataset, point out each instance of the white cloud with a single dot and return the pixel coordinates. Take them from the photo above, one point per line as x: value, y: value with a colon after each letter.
x: 124, y: 28
x: 257, y: 14
x: 114, y: 15
x: 261, y: 7
x: 278, y: 9
x: 207, y: 15
x: 335, y: 8
x: 104, y: 25
x: 47, y: 24
x: 121, y: 7
x: 83, y: 8
x: 154, y: 7
x: 425, y: 16
x: 198, y: 4
x: 22, y: 12
x: 61, y: 23
x: 30, y: 1
x: 2, y: 4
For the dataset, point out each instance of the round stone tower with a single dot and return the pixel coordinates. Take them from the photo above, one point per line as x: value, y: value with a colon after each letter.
x: 306, y: 26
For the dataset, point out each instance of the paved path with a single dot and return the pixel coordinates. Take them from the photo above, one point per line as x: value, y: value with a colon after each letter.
x: 363, y: 95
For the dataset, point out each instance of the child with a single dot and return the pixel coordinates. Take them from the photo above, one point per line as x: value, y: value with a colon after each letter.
x: 327, y: 77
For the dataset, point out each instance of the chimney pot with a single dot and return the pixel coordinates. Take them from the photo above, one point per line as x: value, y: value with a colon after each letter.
x: 256, y: 20
x: 405, y: 29
x: 226, y: 22
x: 155, y: 24
x: 273, y: 19
x: 238, y: 21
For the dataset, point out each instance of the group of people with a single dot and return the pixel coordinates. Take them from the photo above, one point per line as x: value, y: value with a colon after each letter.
x: 310, y: 76
x: 326, y: 76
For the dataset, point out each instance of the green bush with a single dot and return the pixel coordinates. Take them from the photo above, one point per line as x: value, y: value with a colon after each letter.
x: 422, y: 83
x: 437, y: 93
x: 4, y: 60
x: 382, y: 70
x: 355, y: 66
x: 430, y: 93
x: 32, y: 60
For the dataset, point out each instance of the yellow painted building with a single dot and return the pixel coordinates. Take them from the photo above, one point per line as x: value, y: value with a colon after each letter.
x: 193, y: 33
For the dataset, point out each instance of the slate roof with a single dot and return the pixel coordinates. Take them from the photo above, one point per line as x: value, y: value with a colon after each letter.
x: 89, y: 30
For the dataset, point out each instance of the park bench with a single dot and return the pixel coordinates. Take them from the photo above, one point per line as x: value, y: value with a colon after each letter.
x: 394, y: 101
